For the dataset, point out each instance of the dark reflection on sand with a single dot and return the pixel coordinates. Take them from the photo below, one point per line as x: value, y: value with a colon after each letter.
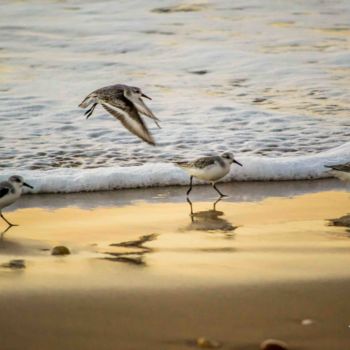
x: 132, y: 257
x: 209, y: 220
x: 343, y: 221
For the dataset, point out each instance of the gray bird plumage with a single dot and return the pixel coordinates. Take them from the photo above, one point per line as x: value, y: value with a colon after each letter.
x: 202, y: 162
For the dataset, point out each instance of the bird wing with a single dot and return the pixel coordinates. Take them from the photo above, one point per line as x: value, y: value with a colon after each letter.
x: 199, y: 163
x: 131, y: 121
x: 340, y: 167
x: 183, y: 164
x: 204, y: 162
x: 4, y: 191
x: 141, y: 106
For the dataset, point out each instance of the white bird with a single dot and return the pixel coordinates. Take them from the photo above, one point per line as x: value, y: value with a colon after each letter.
x: 210, y: 169
x: 341, y: 171
x: 10, y: 191
x: 125, y: 104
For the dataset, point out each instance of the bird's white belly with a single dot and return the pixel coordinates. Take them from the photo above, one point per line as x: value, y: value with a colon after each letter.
x: 8, y: 200
x: 342, y: 175
x: 210, y: 173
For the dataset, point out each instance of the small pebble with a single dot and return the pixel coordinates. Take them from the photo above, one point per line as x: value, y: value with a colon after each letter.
x: 207, y: 343
x: 15, y: 264
x: 273, y: 344
x: 60, y: 250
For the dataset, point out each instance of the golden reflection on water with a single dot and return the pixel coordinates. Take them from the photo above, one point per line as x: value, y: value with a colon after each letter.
x: 162, y: 244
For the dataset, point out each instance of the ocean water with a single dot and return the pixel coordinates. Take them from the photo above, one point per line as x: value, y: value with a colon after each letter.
x: 267, y: 80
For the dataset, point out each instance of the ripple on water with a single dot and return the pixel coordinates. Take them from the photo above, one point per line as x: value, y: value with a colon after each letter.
x: 256, y: 90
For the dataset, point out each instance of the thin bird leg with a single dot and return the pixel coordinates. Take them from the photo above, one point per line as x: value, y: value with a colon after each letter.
x: 216, y: 202
x: 190, y: 203
x: 3, y: 232
x: 218, y: 191
x: 190, y: 189
x: 90, y: 111
x: 8, y: 222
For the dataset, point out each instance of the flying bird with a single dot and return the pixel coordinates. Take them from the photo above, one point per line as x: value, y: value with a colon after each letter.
x: 124, y: 103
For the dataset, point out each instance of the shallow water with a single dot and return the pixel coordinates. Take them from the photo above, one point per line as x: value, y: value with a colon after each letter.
x: 257, y: 78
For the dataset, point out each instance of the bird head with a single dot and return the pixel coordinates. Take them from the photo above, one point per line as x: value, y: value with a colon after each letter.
x: 18, y: 182
x: 228, y: 157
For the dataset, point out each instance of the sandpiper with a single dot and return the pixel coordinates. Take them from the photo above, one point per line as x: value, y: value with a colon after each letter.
x: 125, y: 104
x: 10, y: 191
x: 209, y: 169
x: 341, y: 171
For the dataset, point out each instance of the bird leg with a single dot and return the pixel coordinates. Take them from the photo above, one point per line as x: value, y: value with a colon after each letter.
x: 218, y: 191
x: 3, y: 232
x: 8, y: 222
x: 190, y: 203
x: 90, y: 111
x: 190, y: 189
x: 216, y: 202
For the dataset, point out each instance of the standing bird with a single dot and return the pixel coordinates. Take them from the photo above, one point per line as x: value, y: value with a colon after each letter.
x: 209, y: 168
x: 341, y: 171
x: 10, y: 191
x: 125, y: 104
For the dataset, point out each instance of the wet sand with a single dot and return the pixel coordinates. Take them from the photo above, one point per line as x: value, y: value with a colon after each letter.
x: 144, y: 274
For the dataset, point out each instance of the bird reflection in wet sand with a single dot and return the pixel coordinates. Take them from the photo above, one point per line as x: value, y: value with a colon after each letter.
x: 132, y: 257
x: 209, y: 220
x: 343, y: 221
x: 2, y: 234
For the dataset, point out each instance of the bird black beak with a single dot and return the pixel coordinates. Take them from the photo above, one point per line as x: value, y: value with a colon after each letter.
x: 27, y: 185
x: 143, y: 95
x: 235, y: 161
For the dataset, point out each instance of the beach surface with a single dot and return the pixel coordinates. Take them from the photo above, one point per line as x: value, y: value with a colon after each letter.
x: 145, y: 274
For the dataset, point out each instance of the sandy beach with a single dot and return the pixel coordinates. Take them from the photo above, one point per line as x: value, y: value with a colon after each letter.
x: 145, y: 274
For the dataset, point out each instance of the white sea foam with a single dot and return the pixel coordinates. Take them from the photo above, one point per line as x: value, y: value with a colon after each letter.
x: 164, y: 174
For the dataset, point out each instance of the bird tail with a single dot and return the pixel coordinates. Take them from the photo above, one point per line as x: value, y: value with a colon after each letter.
x: 183, y: 165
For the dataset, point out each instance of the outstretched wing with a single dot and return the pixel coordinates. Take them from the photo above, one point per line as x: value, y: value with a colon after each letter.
x: 340, y: 167
x: 131, y: 121
x: 140, y: 106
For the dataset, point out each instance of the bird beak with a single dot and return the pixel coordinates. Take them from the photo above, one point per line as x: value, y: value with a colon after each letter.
x: 235, y: 161
x: 143, y: 95
x: 27, y: 185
